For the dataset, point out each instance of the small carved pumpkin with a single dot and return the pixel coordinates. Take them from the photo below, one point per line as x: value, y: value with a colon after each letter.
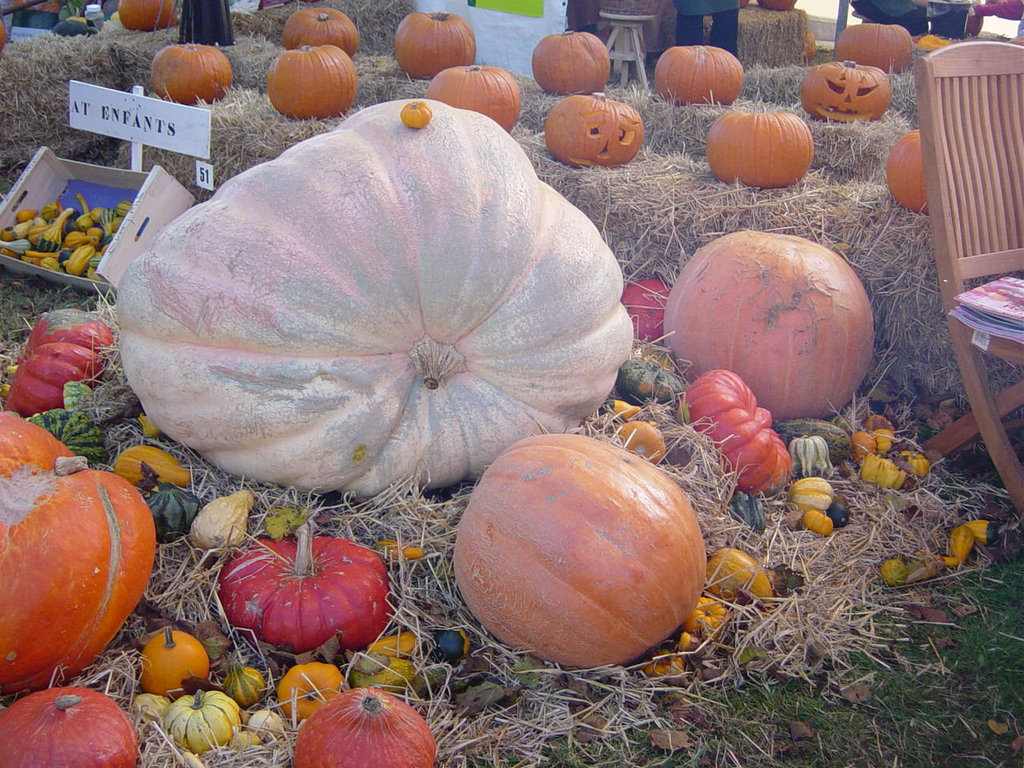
x: 886, y: 46
x: 426, y: 43
x: 572, y: 62
x: 320, y: 26
x: 190, y: 72
x: 488, y: 90
x: 845, y: 91
x: 760, y: 149
x: 698, y: 74
x: 328, y: 66
x: 588, y: 130
x: 904, y: 172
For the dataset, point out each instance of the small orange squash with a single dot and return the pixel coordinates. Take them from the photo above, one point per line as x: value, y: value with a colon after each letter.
x: 129, y: 465
x: 306, y: 687
x: 170, y: 657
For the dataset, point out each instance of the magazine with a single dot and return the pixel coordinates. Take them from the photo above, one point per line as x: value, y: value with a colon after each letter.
x: 997, y: 307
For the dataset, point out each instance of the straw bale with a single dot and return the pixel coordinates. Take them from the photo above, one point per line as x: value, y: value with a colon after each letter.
x: 771, y: 38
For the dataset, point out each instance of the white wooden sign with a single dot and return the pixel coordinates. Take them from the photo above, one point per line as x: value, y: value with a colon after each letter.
x: 139, y: 119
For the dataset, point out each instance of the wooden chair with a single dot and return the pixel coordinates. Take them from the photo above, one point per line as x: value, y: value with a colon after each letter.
x: 970, y: 103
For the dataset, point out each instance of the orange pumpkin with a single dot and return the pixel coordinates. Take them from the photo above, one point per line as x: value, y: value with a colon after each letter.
x: 426, y: 43
x: 147, y: 15
x: 845, y: 91
x: 328, y: 66
x: 904, y: 172
x: 643, y: 439
x: 810, y: 47
x: 78, y: 548
x: 698, y: 74
x: 760, y: 149
x: 3, y: 37
x: 321, y: 26
x: 488, y: 90
x: 304, y: 688
x: 585, y: 130
x: 886, y: 46
x: 800, y: 332
x: 572, y: 62
x: 579, y: 551
x: 169, y: 658
x: 190, y: 72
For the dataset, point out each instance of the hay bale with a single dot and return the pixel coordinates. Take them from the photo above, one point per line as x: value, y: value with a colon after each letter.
x: 771, y: 38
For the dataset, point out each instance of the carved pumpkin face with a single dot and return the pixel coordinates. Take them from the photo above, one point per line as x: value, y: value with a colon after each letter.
x: 845, y: 92
x: 593, y: 130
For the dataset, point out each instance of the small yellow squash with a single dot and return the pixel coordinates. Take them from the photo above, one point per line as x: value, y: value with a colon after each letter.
x: 202, y: 721
x: 223, y: 521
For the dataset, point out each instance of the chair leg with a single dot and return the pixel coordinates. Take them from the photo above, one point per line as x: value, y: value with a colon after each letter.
x: 638, y: 49
x: 965, y: 429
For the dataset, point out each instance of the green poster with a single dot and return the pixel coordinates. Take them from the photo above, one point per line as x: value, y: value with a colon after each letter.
x: 522, y: 7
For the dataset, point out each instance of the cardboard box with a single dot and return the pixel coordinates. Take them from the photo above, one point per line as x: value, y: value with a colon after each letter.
x: 157, y: 198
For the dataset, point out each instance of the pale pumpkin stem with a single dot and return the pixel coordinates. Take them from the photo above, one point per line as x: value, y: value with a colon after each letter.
x: 66, y: 702
x: 68, y: 465
x: 169, y: 637
x: 436, y: 361
x: 370, y: 704
x: 304, y: 550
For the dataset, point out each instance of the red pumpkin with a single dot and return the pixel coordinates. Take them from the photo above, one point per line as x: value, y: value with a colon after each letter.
x: 904, y: 172
x: 426, y: 43
x: 579, y: 551
x: 760, y: 149
x: 320, y: 26
x: 78, y: 548
x: 789, y: 316
x: 586, y: 130
x: 38, y: 384
x: 365, y: 728
x: 572, y: 62
x: 488, y: 90
x: 722, y: 406
x: 291, y: 71
x: 845, y: 91
x: 70, y: 325
x: 645, y: 302
x: 886, y: 46
x: 301, y: 592
x: 188, y: 73
x: 698, y: 74
x: 147, y: 15
x: 73, y: 727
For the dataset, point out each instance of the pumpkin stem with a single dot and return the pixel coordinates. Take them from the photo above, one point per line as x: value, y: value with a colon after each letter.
x: 168, y: 637
x: 68, y: 465
x: 370, y: 704
x: 197, y: 700
x: 66, y: 701
x: 304, y: 550
x: 436, y: 361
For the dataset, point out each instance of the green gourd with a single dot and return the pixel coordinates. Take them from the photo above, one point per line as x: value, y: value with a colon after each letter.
x: 173, y: 509
x: 639, y: 381
x: 76, y: 430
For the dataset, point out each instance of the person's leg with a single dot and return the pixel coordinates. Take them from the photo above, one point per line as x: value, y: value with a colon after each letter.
x: 689, y: 30
x: 725, y: 29
x: 915, y: 21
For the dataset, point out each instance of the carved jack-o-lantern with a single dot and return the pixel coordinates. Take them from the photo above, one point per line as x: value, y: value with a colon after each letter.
x: 845, y: 91
x: 584, y: 130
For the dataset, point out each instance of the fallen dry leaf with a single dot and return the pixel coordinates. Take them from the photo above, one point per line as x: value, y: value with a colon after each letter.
x: 800, y: 730
x: 672, y: 741
x: 857, y: 693
x: 965, y: 610
x: 1017, y: 744
x: 924, y: 613
x: 997, y: 727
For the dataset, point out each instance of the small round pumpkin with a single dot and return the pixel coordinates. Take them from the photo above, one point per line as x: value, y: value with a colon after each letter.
x: 587, y: 130
x: 70, y: 726
x: 291, y: 72
x: 491, y: 91
x: 571, y: 62
x: 304, y: 688
x: 187, y: 73
x: 760, y: 149
x: 246, y: 685
x: 147, y: 15
x: 364, y: 727
x: 426, y: 43
x: 320, y: 26
x: 845, y: 91
x: 904, y: 172
x: 886, y: 46
x: 698, y: 74
x: 578, y: 550
x: 169, y: 658
x: 643, y: 439
x: 416, y: 114
x: 202, y: 721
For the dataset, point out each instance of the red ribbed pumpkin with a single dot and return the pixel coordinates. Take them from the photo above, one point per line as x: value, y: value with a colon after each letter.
x: 187, y: 73
x: 69, y: 726
x: 698, y: 74
x: 904, y: 172
x: 760, y: 149
x: 426, y: 43
x: 70, y: 325
x: 147, y: 15
x: 78, y: 548
x: 291, y: 72
x: 580, y: 551
x: 886, y: 46
x: 572, y: 62
x: 787, y: 315
x: 488, y: 90
x: 320, y: 26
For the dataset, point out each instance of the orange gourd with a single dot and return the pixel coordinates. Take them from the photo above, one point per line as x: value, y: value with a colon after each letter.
x: 416, y: 114
x: 886, y: 46
x: 426, y: 43
x: 845, y: 91
x: 187, y: 73
x: 168, y: 658
x: 326, y: 65
x: 320, y: 26
x: 579, y: 551
x: 760, y: 149
x: 78, y: 548
x: 904, y: 172
x: 488, y: 90
x: 698, y: 74
x: 571, y: 62
x: 147, y: 15
x: 643, y: 439
x: 304, y: 688
x: 587, y: 130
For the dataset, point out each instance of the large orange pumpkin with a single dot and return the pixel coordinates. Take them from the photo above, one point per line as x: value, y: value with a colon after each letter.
x: 291, y: 72
x: 571, y: 62
x: 760, y: 149
x: 698, y: 74
x: 787, y: 315
x: 426, y: 43
x: 147, y: 15
x: 320, y: 26
x: 488, y: 90
x: 578, y: 551
x: 904, y: 172
x: 585, y: 130
x: 190, y: 72
x: 845, y: 91
x: 3, y: 37
x: 886, y: 46
x: 78, y: 548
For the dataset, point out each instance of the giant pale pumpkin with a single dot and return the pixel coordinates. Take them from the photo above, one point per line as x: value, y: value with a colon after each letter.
x: 787, y: 315
x: 77, y: 550
x: 579, y: 551
x: 377, y: 304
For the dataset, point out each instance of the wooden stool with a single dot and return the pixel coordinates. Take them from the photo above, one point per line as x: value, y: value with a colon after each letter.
x: 626, y: 45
